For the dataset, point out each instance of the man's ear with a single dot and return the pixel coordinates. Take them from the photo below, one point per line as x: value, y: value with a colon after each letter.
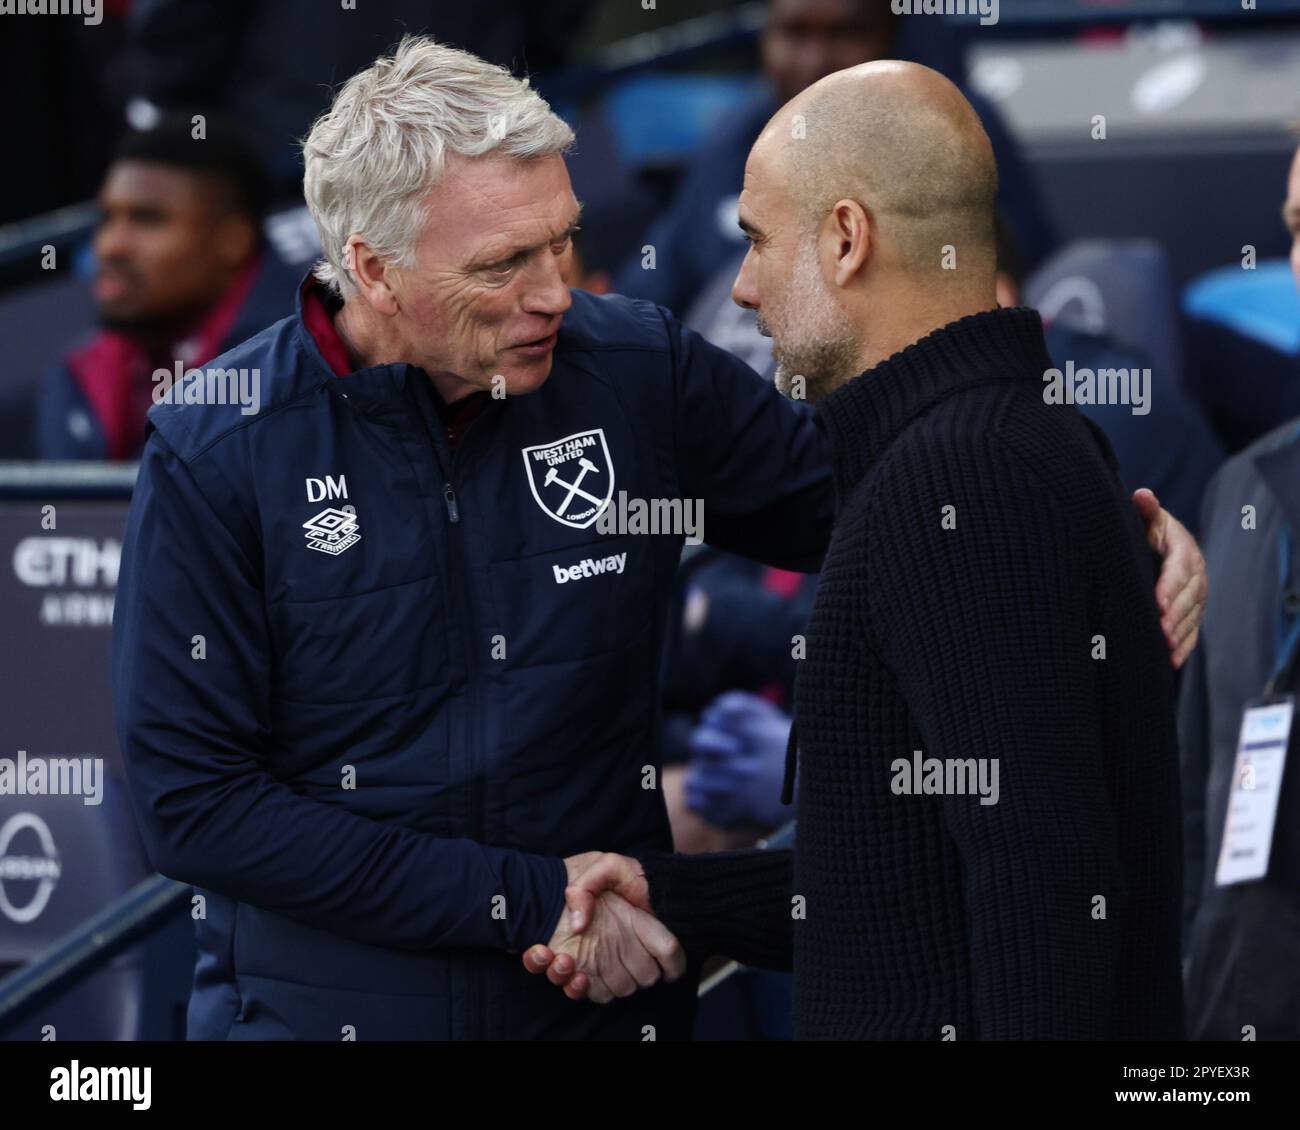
x: 374, y: 278
x: 850, y: 234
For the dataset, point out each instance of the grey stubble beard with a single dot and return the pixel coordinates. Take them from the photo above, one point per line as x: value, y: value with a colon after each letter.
x: 826, y: 356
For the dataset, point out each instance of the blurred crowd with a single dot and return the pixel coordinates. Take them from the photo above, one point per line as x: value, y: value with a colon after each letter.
x: 185, y: 132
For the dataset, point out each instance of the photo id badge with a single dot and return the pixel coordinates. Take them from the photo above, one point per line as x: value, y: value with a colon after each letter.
x: 1256, y: 788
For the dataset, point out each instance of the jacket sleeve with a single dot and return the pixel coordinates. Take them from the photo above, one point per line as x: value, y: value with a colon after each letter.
x: 757, y: 461
x: 734, y: 903
x: 194, y: 725
x: 986, y: 629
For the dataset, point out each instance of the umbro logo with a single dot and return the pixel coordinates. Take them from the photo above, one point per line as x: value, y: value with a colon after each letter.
x: 332, y: 531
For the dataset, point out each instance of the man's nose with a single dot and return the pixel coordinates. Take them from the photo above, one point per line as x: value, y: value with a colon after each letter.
x: 548, y: 293
x: 743, y: 291
x: 111, y: 240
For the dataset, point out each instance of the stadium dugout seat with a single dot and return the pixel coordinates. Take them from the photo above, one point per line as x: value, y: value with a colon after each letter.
x: 1243, y: 333
x: 1262, y: 304
x: 662, y: 119
x: 1122, y: 289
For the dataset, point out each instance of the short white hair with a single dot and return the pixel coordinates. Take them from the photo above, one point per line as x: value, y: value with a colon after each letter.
x: 372, y: 158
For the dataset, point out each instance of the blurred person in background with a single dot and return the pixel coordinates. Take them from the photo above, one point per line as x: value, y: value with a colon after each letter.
x: 803, y: 41
x: 729, y: 667
x: 182, y: 273
x: 1241, y: 937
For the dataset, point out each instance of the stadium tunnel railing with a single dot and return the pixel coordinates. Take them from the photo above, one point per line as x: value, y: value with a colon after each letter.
x: 122, y: 924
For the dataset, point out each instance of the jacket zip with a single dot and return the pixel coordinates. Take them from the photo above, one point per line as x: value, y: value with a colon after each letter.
x: 476, y: 1005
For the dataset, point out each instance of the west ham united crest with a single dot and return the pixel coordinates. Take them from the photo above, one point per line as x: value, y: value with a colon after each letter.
x: 572, y: 478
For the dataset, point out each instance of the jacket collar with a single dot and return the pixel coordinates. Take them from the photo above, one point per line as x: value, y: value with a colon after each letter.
x: 378, y: 391
x: 861, y: 417
x: 380, y: 387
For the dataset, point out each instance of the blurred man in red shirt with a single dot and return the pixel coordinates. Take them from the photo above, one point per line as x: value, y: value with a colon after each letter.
x: 182, y: 274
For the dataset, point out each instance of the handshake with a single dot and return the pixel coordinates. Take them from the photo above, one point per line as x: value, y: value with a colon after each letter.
x: 608, y: 943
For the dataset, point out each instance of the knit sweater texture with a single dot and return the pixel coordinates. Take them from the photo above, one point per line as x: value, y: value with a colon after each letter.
x: 986, y: 605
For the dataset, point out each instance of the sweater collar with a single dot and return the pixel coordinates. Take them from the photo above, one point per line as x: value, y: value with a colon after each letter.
x: 860, y: 418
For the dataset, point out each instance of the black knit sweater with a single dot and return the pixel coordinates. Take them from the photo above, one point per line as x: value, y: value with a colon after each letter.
x: 987, y: 594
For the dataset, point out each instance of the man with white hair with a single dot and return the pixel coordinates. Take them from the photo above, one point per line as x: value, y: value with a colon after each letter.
x: 383, y: 681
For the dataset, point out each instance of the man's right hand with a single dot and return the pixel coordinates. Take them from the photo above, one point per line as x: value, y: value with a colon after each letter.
x: 608, y: 943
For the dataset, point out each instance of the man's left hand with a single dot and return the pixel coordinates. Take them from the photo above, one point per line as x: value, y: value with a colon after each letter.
x: 1183, y: 586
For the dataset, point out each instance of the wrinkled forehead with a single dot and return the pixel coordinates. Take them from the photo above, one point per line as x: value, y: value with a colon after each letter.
x: 484, y: 204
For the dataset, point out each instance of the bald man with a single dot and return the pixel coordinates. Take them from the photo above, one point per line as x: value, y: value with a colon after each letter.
x: 989, y: 830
